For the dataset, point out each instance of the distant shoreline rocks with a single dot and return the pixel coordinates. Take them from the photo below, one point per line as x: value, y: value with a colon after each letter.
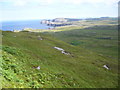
x: 56, y: 22
x: 17, y: 30
x: 25, y: 29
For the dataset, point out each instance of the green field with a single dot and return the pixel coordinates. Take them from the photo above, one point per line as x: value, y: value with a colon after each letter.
x: 83, y: 68
x: 100, y: 39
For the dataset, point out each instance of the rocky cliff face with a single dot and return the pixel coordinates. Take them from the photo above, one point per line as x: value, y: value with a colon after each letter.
x: 56, y: 22
x: 59, y: 20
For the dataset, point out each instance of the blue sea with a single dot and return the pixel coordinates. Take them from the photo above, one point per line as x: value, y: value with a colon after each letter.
x: 19, y: 25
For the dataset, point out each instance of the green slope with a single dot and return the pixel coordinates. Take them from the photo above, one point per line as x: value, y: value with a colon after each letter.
x: 100, y: 39
x: 81, y: 69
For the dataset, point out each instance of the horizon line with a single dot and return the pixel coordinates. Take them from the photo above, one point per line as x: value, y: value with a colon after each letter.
x: 59, y: 17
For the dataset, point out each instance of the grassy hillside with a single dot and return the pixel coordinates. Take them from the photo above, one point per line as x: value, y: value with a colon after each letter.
x: 100, y: 39
x: 24, y: 51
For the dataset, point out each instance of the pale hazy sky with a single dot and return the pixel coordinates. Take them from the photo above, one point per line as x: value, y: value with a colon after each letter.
x: 48, y: 9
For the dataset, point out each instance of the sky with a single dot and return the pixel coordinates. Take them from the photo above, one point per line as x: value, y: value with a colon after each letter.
x: 49, y: 9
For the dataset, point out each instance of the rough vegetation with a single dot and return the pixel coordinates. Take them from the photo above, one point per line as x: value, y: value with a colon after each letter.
x: 89, y: 52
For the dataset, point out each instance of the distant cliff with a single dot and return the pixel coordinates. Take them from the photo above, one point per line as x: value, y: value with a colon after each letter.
x: 56, y: 22
x: 74, y: 21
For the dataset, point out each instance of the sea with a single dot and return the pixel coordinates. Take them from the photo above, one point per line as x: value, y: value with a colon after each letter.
x: 19, y: 25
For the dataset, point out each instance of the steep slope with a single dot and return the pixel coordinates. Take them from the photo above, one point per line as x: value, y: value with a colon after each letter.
x: 31, y: 61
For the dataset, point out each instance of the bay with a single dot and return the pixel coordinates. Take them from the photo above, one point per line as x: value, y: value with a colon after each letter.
x: 19, y: 25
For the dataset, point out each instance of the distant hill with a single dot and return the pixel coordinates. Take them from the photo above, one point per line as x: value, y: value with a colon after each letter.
x: 73, y: 19
x: 102, y: 18
x: 62, y: 20
x: 78, y: 19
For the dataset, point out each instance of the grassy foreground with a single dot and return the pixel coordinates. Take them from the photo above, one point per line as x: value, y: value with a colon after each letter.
x: 23, y: 51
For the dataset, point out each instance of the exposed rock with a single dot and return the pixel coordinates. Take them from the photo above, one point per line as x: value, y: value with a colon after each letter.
x: 38, y: 67
x: 16, y: 30
x: 39, y: 38
x: 105, y: 66
x: 56, y: 22
x: 66, y: 53
x: 59, y: 20
x: 62, y: 50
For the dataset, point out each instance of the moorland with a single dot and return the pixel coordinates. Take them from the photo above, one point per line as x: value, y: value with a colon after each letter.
x: 30, y: 59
